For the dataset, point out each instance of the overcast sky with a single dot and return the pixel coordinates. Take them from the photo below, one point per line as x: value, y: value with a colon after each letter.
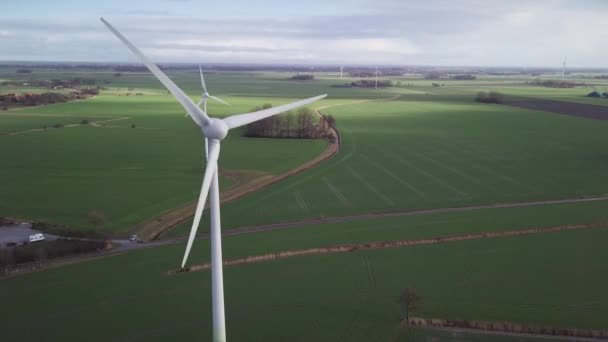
x: 431, y: 32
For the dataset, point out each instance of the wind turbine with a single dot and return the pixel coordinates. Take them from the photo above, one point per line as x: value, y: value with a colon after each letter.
x: 215, y: 130
x: 204, y: 96
x: 564, y: 68
x: 341, y: 70
x: 376, y: 77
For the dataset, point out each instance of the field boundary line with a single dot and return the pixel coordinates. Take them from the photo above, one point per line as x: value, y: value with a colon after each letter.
x: 503, y: 328
x: 353, y: 247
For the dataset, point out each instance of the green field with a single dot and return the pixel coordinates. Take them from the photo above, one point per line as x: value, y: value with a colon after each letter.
x: 402, y: 149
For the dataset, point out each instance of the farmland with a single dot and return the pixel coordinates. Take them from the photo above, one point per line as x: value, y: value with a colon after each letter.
x: 418, y: 147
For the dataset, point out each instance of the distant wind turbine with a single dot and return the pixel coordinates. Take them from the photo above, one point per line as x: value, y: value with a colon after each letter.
x: 215, y: 130
x: 376, y: 77
x: 564, y: 69
x: 204, y: 96
x: 341, y: 71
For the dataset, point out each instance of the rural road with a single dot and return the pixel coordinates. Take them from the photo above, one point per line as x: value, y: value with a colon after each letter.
x: 127, y: 245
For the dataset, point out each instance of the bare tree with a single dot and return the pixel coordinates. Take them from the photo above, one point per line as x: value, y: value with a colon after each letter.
x: 289, y: 118
x: 410, y: 301
x: 96, y: 217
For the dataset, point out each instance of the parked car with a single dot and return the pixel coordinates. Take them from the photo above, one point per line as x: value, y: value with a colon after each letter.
x: 36, y: 237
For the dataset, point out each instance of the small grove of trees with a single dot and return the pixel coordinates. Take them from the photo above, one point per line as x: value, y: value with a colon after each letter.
x: 465, y: 77
x: 597, y: 94
x: 292, y: 124
x: 303, y: 77
x: 410, y: 301
x: 371, y: 83
x: 490, y: 97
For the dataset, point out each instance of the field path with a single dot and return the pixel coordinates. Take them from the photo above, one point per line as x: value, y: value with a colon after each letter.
x: 93, y: 123
x: 352, y: 247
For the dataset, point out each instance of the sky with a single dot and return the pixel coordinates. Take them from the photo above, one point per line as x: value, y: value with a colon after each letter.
x: 516, y: 33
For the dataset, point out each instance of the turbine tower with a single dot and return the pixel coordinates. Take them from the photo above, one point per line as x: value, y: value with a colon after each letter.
x: 341, y: 71
x: 564, y: 68
x: 215, y: 130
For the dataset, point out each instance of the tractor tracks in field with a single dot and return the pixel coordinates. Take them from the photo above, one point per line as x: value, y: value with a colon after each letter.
x: 97, y: 123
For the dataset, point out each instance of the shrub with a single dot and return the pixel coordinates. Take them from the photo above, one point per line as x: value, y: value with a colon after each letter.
x: 594, y: 94
x: 132, y: 125
x: 58, y: 125
x: 84, y: 122
x: 491, y: 97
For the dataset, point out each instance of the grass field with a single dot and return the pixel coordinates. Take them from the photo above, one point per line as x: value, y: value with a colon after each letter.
x: 411, y: 148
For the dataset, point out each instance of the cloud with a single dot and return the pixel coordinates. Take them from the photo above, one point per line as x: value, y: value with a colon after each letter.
x: 454, y: 32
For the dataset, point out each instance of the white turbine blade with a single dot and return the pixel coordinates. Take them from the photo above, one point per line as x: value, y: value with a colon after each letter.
x: 214, y: 151
x: 247, y: 118
x: 219, y: 100
x: 195, y: 112
x: 202, y: 79
x: 200, y: 102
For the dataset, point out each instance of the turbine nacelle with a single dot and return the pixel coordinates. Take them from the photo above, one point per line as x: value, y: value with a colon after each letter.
x: 215, y: 129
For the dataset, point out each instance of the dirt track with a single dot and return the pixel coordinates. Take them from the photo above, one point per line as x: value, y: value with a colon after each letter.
x: 347, y: 248
x: 560, y: 107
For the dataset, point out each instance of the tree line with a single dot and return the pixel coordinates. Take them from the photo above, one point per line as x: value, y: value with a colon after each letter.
x: 45, y: 98
x: 299, y: 124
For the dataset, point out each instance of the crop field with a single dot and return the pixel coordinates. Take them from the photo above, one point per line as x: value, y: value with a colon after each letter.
x: 402, y: 149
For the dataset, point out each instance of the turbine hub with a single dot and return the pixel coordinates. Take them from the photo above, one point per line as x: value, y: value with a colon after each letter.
x: 216, y: 129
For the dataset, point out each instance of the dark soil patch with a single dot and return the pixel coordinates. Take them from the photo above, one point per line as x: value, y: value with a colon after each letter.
x: 560, y: 107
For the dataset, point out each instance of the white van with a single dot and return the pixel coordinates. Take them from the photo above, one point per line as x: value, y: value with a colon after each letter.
x: 36, y: 237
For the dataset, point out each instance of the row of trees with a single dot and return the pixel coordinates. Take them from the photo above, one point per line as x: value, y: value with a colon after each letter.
x: 41, y: 251
x: 555, y: 83
x: 299, y: 124
x: 303, y: 77
x: 45, y: 98
x: 67, y: 83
